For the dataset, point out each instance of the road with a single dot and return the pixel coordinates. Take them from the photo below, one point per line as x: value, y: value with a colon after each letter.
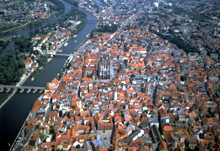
x: 23, y: 79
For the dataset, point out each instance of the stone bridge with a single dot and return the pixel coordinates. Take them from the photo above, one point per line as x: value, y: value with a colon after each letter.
x: 88, y: 20
x: 62, y: 55
x: 21, y: 89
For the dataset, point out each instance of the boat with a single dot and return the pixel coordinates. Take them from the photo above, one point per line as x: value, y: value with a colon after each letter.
x: 60, y: 50
x: 87, y: 35
x: 32, y: 79
x: 75, y: 40
x: 65, y: 44
x: 74, y: 36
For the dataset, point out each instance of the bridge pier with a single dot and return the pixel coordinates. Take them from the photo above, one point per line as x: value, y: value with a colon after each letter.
x: 41, y: 91
x: 34, y: 90
x: 21, y: 90
x: 61, y: 55
x: 28, y: 90
x: 8, y: 90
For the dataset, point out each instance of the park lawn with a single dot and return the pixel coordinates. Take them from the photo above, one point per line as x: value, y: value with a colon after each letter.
x: 52, y: 14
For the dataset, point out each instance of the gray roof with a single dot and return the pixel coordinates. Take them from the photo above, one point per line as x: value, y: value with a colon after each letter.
x: 156, y: 133
x: 144, y: 125
x: 98, y: 143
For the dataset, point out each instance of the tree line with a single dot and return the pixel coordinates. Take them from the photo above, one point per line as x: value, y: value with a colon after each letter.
x: 12, y: 64
x: 8, y: 68
x: 3, y: 44
x: 74, y: 3
x: 108, y: 28
x: 58, y: 6
x: 177, y: 41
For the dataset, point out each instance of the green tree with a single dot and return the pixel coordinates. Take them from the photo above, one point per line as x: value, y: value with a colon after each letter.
x: 42, y: 137
x: 21, y: 71
x: 50, y: 44
x: 43, y: 47
x: 60, y: 113
x: 8, y: 68
x: 42, y: 60
x: 183, y: 77
x: 20, y: 62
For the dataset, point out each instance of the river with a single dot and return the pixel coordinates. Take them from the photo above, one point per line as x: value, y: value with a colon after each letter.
x: 15, y: 111
x: 98, y: 2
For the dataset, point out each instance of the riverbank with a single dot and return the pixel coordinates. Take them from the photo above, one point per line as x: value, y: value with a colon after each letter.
x: 5, y: 99
x: 20, y: 83
x: 20, y: 137
x: 28, y: 25
x: 89, y: 11
x: 16, y: 28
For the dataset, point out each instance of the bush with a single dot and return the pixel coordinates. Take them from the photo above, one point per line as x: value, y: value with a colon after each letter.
x: 8, y: 68
x: 108, y: 28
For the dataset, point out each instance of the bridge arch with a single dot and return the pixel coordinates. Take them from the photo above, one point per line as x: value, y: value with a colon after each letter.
x: 21, y: 89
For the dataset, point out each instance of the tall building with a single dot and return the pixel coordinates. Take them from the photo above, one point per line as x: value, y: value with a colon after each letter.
x: 104, y: 67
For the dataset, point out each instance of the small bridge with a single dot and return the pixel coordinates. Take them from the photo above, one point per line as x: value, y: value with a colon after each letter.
x: 62, y: 55
x: 88, y: 20
x: 21, y: 89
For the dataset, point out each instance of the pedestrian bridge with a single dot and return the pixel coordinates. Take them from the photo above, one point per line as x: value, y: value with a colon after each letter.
x: 21, y: 89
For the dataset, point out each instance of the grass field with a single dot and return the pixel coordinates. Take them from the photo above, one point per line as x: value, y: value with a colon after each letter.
x: 53, y: 14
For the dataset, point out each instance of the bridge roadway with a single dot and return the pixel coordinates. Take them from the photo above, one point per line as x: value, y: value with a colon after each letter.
x: 22, y: 89
x: 62, y: 55
x: 88, y: 20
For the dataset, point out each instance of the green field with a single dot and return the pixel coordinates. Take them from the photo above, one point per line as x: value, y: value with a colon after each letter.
x: 52, y: 14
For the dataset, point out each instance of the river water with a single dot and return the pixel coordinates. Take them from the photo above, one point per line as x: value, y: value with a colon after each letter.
x: 98, y: 2
x: 15, y: 111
